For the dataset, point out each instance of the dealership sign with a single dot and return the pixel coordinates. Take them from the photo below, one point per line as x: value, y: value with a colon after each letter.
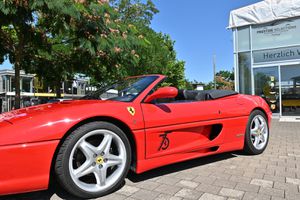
x: 276, y: 30
x: 276, y: 34
x: 282, y: 54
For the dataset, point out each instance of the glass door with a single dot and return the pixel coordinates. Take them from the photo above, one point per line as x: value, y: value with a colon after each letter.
x: 290, y: 90
x: 266, y: 85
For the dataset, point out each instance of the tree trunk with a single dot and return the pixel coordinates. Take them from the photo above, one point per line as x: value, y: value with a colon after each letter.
x: 58, y: 89
x: 18, y: 67
x: 17, y: 85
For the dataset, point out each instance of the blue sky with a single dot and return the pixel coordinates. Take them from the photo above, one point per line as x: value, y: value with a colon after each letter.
x: 199, y: 29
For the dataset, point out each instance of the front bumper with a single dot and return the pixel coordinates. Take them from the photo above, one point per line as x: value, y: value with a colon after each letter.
x: 26, y: 167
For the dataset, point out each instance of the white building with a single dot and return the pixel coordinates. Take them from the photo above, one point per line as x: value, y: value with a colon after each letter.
x: 34, y: 92
x: 267, y: 53
x: 7, y: 88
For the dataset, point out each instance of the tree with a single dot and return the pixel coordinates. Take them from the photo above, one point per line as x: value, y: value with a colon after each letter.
x: 224, y: 81
x: 157, y: 55
x: 135, y: 11
x: 58, y: 38
x: 21, y: 39
x: 106, y: 41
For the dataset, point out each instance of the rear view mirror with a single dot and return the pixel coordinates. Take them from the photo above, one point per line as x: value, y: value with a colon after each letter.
x: 161, y: 93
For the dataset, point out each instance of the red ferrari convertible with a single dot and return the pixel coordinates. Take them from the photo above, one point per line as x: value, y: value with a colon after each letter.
x: 90, y: 144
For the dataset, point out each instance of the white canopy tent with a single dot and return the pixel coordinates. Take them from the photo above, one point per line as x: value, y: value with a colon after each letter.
x: 263, y: 12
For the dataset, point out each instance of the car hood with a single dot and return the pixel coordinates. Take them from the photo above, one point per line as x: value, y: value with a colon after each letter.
x: 33, y: 111
x: 52, y: 121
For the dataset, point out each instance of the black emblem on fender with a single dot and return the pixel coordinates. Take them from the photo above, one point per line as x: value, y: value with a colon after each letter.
x: 165, y: 143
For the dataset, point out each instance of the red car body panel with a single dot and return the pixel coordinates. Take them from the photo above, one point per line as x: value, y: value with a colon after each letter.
x: 26, y: 167
x: 29, y: 137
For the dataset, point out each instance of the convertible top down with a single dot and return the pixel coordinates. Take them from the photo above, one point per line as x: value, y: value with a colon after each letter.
x: 90, y: 144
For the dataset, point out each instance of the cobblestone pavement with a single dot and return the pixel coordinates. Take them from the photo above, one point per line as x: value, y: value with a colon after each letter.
x: 273, y: 175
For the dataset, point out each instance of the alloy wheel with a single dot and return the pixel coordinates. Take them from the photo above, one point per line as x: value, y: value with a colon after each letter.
x: 97, y: 160
x: 259, y: 132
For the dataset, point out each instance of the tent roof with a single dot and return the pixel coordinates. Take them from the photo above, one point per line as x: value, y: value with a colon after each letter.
x: 263, y: 12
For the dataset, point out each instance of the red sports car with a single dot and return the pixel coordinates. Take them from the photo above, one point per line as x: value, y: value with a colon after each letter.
x: 90, y: 144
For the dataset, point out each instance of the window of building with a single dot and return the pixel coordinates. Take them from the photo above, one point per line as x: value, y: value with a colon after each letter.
x: 26, y: 84
x: 12, y: 84
x: 266, y: 85
x: 243, y: 39
x: 244, y: 63
x: 3, y: 83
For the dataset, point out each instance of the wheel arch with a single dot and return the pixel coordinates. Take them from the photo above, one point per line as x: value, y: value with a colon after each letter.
x: 262, y: 110
x: 123, y: 126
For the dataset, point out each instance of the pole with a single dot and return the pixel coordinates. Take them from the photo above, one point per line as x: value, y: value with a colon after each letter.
x: 214, y: 71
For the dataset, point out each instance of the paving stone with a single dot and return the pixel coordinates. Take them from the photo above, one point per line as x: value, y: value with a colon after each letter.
x: 167, y: 189
x: 203, y: 172
x: 286, y: 187
x: 285, y: 174
x: 225, y: 183
x: 292, y: 196
x: 113, y: 196
x: 148, y: 185
x: 187, y: 184
x: 167, y: 197
x: 247, y: 187
x: 255, y: 196
x: 234, y: 172
x: 220, y: 176
x: 254, y: 175
x: 204, y: 179
x: 168, y: 180
x: 145, y: 194
x: 209, y: 188
x: 128, y: 190
x: 262, y: 183
x: 293, y: 181
x: 274, y: 178
x: 207, y: 196
x: 189, y: 194
x: 265, y: 171
x: 240, y: 179
x: 130, y: 198
x: 232, y: 193
x: 186, y: 176
x: 272, y: 191
x: 277, y: 198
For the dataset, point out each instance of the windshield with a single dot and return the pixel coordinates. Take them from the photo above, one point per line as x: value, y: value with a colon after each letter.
x: 126, y: 90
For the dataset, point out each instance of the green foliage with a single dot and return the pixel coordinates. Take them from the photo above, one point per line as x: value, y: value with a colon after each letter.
x: 157, y: 54
x: 106, y: 41
x: 224, y: 81
x: 59, y: 38
x: 226, y: 75
x: 135, y: 11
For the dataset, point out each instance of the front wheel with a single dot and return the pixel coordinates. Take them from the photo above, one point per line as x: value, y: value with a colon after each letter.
x: 93, y: 160
x: 257, y: 133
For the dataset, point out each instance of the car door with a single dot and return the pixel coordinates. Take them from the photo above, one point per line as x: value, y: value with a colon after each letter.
x: 178, y: 127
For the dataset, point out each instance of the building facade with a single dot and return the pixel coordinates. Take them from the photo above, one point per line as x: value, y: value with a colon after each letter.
x: 7, y: 89
x: 267, y: 53
x: 33, y: 91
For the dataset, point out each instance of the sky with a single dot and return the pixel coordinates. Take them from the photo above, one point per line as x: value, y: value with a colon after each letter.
x: 198, y: 28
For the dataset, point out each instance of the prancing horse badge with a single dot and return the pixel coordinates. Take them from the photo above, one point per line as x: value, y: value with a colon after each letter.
x: 131, y: 110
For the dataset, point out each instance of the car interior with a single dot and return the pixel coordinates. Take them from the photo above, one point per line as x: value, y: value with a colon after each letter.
x: 195, y: 95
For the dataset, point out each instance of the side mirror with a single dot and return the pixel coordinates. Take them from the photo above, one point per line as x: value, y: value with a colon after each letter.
x: 161, y: 93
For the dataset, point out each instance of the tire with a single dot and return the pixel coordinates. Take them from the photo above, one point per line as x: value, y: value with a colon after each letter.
x: 91, y: 152
x: 257, y: 133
